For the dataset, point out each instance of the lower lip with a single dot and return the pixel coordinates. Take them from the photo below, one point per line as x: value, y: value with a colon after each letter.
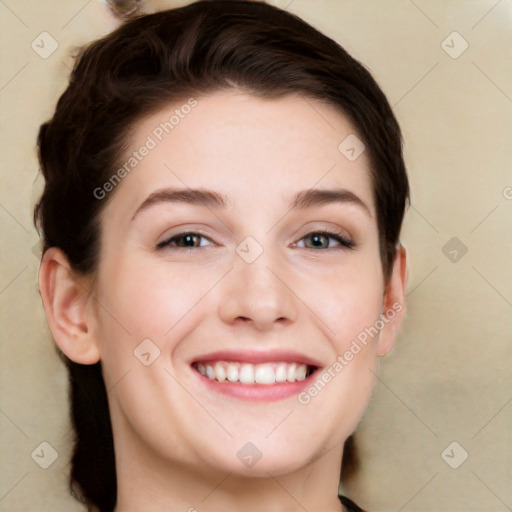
x: 257, y: 392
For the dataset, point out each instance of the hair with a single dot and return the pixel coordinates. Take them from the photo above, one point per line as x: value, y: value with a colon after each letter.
x: 147, y: 63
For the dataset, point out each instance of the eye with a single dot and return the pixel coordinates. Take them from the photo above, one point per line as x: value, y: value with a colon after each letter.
x: 321, y: 236
x: 186, y: 240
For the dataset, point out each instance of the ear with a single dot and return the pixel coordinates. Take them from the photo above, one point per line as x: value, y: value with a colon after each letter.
x: 66, y: 301
x: 393, y: 305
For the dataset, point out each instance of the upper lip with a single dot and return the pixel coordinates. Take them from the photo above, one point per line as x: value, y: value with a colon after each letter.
x: 258, y: 356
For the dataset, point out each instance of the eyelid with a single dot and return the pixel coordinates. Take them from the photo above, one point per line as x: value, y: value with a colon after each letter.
x: 166, y: 241
x: 344, y: 240
x: 329, y: 228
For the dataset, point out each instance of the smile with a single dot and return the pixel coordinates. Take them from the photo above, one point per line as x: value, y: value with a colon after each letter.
x: 247, y: 373
x: 254, y: 374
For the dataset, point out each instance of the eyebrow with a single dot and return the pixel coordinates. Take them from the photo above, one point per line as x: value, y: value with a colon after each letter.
x: 212, y: 199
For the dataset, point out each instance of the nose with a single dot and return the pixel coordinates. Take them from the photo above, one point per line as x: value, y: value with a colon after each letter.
x: 260, y: 294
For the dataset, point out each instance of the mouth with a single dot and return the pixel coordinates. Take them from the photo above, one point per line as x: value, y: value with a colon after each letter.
x: 247, y: 373
x: 256, y: 376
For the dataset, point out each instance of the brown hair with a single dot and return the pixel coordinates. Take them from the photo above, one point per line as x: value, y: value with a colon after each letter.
x: 151, y: 61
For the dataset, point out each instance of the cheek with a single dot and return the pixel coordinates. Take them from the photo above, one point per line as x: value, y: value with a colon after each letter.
x: 350, y: 304
x: 141, y: 299
x: 357, y: 310
x: 350, y: 307
x: 349, y: 301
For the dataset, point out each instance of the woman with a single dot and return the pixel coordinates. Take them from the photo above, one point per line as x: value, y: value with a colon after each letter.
x: 219, y: 355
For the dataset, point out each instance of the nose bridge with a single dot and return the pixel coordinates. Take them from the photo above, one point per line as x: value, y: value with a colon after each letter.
x: 257, y: 290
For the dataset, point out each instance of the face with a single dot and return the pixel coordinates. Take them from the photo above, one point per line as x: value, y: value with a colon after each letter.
x: 269, y: 271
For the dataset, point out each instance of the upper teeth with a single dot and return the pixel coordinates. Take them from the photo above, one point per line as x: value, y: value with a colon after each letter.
x: 246, y: 373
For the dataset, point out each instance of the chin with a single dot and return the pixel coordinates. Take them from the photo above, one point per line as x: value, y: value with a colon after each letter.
x: 253, y: 459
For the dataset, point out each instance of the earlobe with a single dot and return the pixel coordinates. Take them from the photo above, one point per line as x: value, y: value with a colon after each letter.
x: 66, y: 302
x: 394, y: 303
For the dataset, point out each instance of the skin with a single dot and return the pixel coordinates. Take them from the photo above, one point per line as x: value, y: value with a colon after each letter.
x: 176, y: 441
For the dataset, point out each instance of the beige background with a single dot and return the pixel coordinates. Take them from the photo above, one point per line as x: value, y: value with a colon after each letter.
x: 448, y: 378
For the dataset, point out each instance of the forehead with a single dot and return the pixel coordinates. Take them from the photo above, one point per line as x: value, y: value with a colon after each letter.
x: 249, y: 148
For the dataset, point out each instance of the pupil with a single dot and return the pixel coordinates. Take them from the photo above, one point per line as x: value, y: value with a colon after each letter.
x: 316, y: 239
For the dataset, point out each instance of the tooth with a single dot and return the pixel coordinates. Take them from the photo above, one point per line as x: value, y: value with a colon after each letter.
x: 290, y: 373
x: 210, y: 371
x: 246, y: 374
x: 281, y: 372
x: 300, y: 373
x: 220, y: 372
x: 264, y: 374
x: 232, y: 372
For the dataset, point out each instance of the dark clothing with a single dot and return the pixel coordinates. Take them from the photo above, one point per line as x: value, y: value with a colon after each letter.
x: 350, y: 505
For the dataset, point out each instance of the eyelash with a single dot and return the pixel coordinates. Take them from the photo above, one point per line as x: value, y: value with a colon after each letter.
x: 344, y: 242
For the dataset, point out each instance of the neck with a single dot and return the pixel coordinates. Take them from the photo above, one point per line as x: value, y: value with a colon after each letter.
x: 146, y: 481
